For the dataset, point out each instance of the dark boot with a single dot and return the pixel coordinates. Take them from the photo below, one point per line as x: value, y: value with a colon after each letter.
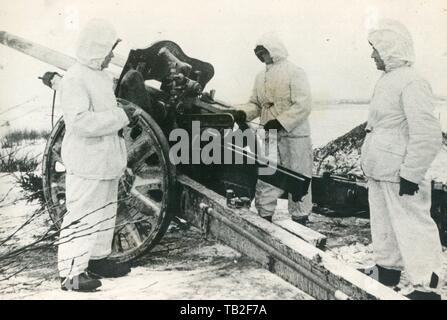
x: 301, y: 220
x: 81, y: 283
x: 420, y: 295
x: 268, y: 218
x: 387, y: 277
x: 107, y: 269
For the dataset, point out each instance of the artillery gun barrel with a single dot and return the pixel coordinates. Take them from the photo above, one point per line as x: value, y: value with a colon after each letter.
x: 37, y: 51
x: 44, y: 54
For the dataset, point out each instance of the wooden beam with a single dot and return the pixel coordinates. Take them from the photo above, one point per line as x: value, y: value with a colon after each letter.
x: 310, y: 236
x: 279, y: 251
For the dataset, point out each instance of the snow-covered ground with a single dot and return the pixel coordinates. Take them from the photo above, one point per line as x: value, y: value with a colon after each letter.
x: 183, y: 266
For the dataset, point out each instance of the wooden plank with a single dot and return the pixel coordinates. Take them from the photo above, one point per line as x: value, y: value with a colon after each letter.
x: 298, y: 262
x: 310, y: 236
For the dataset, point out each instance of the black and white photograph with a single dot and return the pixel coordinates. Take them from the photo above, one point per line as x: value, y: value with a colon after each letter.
x: 209, y: 151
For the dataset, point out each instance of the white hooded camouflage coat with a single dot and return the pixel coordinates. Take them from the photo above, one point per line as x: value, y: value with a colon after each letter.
x: 281, y: 91
x: 91, y: 147
x: 405, y: 135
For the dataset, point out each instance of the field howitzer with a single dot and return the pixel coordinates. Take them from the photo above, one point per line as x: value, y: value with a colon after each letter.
x: 148, y: 197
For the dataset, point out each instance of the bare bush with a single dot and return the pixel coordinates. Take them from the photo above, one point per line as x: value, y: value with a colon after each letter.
x: 14, y: 138
x: 31, y: 183
x: 11, y: 161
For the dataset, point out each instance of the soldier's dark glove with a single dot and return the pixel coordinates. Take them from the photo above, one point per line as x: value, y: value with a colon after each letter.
x: 132, y: 113
x: 407, y: 187
x: 273, y: 124
x: 238, y: 115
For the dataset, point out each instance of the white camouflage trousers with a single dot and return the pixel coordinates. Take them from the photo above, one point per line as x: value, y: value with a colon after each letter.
x: 88, y: 226
x: 404, y: 236
x: 267, y: 196
x: 295, y: 154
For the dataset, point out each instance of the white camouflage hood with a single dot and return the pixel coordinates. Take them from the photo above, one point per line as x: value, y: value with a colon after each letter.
x: 393, y: 42
x: 274, y: 46
x: 95, y: 42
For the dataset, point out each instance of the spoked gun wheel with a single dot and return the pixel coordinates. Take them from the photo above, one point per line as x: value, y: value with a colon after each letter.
x: 146, y: 190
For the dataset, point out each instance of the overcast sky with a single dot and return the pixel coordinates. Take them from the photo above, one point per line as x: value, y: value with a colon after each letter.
x: 325, y: 37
